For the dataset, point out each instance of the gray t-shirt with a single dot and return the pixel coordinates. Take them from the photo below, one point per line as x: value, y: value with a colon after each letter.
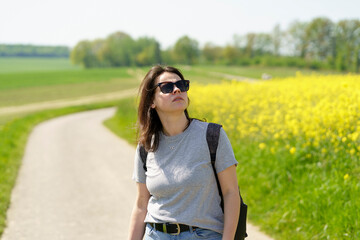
x: 181, y: 180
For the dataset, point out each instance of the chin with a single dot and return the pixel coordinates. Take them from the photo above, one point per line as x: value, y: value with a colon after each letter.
x: 179, y: 109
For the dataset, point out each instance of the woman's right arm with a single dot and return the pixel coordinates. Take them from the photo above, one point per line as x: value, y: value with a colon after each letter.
x: 137, y: 225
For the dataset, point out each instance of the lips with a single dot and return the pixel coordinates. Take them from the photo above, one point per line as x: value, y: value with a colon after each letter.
x: 177, y: 99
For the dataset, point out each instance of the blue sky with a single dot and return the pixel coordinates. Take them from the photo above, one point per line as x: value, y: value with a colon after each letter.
x: 67, y: 22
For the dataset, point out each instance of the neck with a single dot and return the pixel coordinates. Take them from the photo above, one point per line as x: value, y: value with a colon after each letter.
x: 174, y: 124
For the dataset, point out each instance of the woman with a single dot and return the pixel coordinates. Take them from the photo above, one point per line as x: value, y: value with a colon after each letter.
x: 177, y: 194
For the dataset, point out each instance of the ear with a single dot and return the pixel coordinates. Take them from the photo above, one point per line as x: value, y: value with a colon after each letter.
x: 153, y: 105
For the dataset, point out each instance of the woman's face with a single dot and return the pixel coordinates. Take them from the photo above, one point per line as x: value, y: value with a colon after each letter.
x: 169, y: 103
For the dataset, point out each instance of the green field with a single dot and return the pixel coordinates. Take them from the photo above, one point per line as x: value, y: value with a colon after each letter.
x: 13, y: 64
x: 24, y: 81
x: 25, y: 88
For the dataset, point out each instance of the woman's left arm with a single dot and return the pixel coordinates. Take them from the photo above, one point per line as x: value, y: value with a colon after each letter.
x: 230, y: 191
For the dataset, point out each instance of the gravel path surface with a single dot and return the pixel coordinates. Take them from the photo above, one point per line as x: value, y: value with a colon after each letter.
x: 75, y: 183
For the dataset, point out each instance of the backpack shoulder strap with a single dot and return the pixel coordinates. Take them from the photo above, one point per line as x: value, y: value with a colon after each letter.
x: 143, y: 155
x: 212, y: 138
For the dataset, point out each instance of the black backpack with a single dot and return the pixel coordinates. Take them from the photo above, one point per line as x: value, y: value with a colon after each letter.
x: 212, y: 138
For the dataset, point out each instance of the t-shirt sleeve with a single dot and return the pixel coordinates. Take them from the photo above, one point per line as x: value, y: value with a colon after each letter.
x: 224, y: 154
x: 139, y: 172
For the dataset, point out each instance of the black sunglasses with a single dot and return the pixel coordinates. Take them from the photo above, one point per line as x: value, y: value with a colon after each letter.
x: 168, y: 87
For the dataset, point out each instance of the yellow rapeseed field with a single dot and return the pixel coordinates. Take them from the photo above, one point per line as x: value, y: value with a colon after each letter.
x: 297, y: 141
x: 315, y: 108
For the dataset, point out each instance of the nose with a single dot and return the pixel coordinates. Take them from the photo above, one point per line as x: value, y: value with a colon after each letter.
x: 176, y: 89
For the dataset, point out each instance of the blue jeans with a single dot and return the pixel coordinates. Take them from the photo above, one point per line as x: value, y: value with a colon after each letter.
x: 197, y: 233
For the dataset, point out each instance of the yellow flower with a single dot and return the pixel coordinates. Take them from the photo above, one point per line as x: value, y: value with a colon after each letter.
x: 346, y: 176
x: 354, y: 136
x: 272, y: 150
x: 262, y: 146
x: 292, y: 150
x: 352, y: 151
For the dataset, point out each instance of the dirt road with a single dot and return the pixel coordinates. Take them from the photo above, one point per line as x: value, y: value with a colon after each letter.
x: 75, y: 182
x: 67, y: 102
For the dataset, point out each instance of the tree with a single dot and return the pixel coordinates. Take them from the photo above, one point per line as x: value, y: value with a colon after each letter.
x: 167, y: 56
x: 263, y: 44
x: 348, y: 45
x: 296, y: 38
x: 320, y: 37
x: 147, y: 52
x: 231, y: 54
x: 119, y: 49
x: 276, y: 38
x: 249, y: 47
x: 186, y: 50
x: 98, y: 47
x: 211, y: 53
x: 83, y: 54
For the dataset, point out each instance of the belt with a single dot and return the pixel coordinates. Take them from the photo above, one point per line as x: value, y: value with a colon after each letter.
x: 171, y: 228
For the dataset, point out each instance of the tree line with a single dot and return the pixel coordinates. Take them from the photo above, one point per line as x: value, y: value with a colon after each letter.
x: 320, y: 43
x: 118, y: 49
x: 21, y: 50
x: 317, y: 44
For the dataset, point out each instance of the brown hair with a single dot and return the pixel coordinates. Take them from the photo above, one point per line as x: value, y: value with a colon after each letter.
x: 148, y: 122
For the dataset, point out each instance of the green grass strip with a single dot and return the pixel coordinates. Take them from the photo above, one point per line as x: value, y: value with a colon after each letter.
x: 123, y: 123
